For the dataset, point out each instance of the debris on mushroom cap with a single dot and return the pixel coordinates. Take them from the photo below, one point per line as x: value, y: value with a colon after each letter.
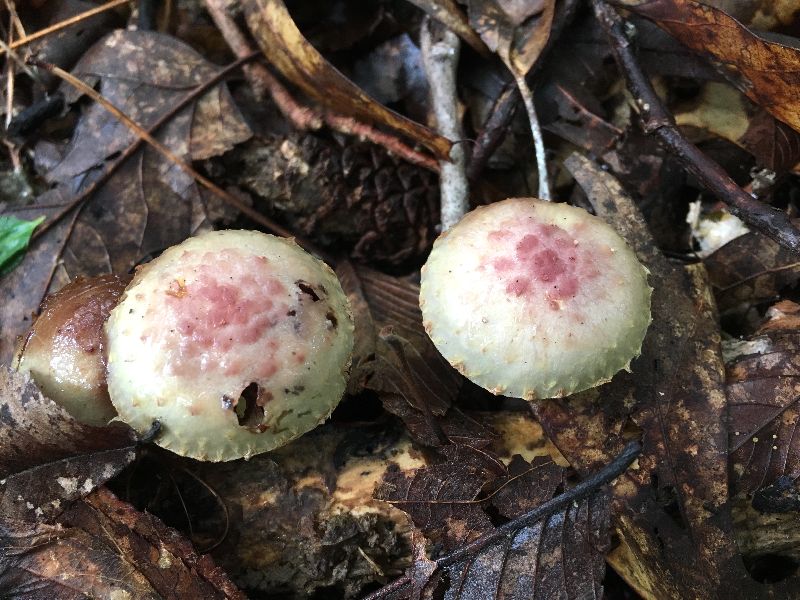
x: 533, y: 299
x: 235, y: 341
x: 63, y: 351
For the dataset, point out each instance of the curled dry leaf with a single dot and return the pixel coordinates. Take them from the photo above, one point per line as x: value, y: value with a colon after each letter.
x: 766, y: 72
x: 284, y: 45
x: 103, y: 548
x: 448, y: 13
x: 516, y: 31
x: 763, y: 403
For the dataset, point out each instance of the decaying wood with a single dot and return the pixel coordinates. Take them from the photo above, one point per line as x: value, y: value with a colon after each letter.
x: 303, y: 518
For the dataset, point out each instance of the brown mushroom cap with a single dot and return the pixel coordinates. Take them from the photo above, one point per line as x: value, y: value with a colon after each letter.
x: 63, y: 351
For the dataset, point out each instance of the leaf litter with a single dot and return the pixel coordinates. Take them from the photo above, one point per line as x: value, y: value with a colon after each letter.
x: 716, y: 415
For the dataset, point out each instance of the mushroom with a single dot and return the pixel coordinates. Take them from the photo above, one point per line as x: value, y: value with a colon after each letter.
x: 235, y: 341
x: 63, y: 351
x: 534, y: 299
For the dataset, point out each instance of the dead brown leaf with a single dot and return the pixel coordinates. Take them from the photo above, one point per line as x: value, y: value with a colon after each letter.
x: 448, y: 13
x: 284, y: 45
x: 448, y: 501
x: 749, y: 270
x: 103, y: 548
x: 763, y: 403
x: 766, y: 72
x: 394, y: 357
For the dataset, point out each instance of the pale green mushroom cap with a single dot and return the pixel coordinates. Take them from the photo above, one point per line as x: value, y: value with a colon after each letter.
x: 533, y: 299
x: 219, y: 314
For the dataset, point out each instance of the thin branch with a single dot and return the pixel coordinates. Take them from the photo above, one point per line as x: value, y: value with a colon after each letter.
x: 657, y: 121
x: 440, y: 51
x: 64, y: 24
x: 493, y: 131
x: 575, y: 494
x: 538, y: 141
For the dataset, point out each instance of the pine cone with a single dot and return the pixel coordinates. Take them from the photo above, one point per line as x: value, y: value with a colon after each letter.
x: 347, y: 195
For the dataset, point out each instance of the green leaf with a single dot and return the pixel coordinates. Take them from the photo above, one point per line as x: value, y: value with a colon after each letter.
x: 14, y: 237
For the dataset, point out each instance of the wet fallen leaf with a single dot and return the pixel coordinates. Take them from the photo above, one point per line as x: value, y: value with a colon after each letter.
x: 766, y: 72
x: 103, y: 548
x: 576, y: 123
x: 394, y: 357
x: 671, y: 512
x: 284, y: 45
x: 443, y: 499
x: 42, y: 493
x: 749, y: 270
x: 762, y: 395
x: 561, y: 556
x: 448, y: 502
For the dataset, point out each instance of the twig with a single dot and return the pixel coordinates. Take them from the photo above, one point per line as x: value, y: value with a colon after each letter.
x: 440, y: 51
x: 657, y: 121
x: 302, y: 117
x: 10, y: 73
x: 538, y: 141
x: 494, y: 130
x: 64, y: 24
x: 582, y: 490
x: 351, y: 126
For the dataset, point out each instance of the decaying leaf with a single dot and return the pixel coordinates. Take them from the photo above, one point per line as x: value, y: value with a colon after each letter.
x: 448, y: 13
x: 749, y: 270
x: 763, y: 397
x: 721, y: 110
x: 284, y: 45
x: 561, y: 556
x: 148, y: 204
x: 103, y: 548
x: 41, y: 493
x: 766, y: 72
x: 443, y: 499
x: 395, y: 358
x: 448, y: 502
